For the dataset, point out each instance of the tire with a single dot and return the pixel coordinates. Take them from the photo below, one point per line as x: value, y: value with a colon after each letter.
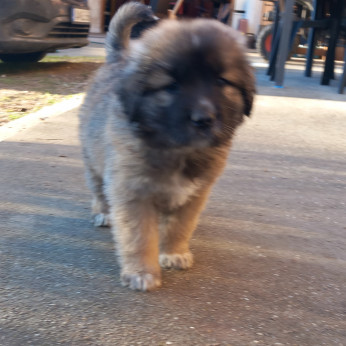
x: 24, y: 57
x: 264, y: 42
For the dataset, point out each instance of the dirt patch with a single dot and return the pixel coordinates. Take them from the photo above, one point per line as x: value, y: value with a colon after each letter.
x: 25, y: 88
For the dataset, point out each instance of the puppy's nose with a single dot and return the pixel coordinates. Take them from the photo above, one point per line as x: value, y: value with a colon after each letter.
x: 201, y: 120
x: 203, y: 115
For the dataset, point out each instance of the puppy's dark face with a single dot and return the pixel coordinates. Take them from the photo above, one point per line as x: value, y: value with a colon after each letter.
x: 187, y: 98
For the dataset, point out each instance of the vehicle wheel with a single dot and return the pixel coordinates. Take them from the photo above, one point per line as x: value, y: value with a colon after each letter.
x: 24, y: 57
x: 264, y: 42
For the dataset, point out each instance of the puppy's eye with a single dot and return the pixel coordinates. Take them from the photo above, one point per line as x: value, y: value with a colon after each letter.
x: 172, y: 87
x: 221, y: 82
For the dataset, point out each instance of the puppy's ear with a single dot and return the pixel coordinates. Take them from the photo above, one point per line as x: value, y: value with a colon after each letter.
x: 247, y: 75
x: 248, y: 92
x: 248, y: 97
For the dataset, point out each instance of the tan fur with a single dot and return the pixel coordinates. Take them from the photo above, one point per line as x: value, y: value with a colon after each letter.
x: 152, y: 189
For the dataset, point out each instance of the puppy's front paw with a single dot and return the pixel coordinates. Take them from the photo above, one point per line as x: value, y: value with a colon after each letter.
x: 102, y: 220
x: 140, y: 281
x: 176, y: 261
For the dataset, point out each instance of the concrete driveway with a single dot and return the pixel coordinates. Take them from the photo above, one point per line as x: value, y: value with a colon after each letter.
x: 270, y: 249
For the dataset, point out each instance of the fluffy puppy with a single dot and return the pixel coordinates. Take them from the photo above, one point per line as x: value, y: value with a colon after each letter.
x: 156, y: 128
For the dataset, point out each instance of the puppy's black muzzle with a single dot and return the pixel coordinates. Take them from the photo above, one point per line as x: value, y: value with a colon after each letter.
x: 203, y: 115
x: 204, y: 121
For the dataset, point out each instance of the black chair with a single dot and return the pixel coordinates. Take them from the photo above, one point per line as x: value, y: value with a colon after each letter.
x: 333, y: 24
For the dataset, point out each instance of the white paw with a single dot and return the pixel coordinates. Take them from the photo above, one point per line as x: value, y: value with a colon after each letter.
x: 177, y: 261
x: 101, y: 220
x: 140, y: 281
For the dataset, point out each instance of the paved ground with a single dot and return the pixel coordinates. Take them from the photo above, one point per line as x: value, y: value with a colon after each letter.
x: 270, y: 249
x: 95, y: 48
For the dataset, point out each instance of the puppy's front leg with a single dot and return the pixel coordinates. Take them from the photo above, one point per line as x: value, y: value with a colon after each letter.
x: 135, y: 231
x: 176, y: 230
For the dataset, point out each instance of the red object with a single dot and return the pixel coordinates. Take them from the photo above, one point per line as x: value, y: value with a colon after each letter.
x: 268, y: 43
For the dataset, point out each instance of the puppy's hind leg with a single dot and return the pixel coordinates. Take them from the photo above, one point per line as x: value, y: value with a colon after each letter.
x: 99, y: 205
x: 176, y: 230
